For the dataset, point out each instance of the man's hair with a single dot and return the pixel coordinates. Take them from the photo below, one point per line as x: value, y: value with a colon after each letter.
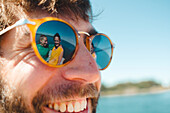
x: 13, y: 10
x: 57, y: 35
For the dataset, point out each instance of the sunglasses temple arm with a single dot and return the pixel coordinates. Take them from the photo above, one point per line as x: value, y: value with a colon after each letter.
x: 18, y: 23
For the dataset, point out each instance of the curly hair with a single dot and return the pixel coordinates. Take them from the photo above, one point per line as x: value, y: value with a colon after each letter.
x: 13, y: 10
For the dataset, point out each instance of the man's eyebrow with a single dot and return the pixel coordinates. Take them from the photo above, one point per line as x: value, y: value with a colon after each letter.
x: 92, y: 32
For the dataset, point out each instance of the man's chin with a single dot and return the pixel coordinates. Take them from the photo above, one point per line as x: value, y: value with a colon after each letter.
x: 80, y: 108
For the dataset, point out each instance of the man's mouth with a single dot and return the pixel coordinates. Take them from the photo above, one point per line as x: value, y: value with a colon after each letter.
x: 71, y: 106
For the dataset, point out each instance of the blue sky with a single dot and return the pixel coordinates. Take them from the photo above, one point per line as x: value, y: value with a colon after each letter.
x: 140, y: 30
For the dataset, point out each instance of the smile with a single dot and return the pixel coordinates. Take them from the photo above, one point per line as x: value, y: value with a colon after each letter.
x: 76, y: 106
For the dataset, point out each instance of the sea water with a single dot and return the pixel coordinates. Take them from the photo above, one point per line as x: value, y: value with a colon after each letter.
x: 144, y: 103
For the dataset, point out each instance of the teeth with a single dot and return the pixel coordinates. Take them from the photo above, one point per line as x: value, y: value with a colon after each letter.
x: 56, y: 107
x: 62, y: 107
x: 72, y: 106
x: 82, y: 106
x: 77, y: 107
x: 85, y: 104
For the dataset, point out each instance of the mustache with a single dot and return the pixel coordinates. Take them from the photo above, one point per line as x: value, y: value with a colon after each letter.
x: 63, y: 91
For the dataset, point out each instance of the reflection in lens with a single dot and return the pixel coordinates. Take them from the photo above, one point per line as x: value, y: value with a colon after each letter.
x: 56, y: 54
x: 43, y: 46
x: 59, y: 44
x: 101, y: 50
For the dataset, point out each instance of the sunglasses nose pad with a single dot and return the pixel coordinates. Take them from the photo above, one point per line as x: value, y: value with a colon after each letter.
x: 86, y: 39
x: 87, y: 43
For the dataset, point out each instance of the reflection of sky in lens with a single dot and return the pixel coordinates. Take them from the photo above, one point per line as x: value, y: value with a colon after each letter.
x: 52, y: 27
x: 102, y: 48
x: 67, y: 35
x: 102, y: 43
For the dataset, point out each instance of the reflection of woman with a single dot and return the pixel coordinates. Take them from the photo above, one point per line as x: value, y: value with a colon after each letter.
x: 57, y: 51
x: 93, y: 52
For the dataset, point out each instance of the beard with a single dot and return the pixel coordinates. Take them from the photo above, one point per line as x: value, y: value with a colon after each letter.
x: 12, y: 100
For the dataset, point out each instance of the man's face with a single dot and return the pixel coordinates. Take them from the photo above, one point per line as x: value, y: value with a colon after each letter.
x: 44, y: 41
x: 57, y: 41
x: 28, y: 85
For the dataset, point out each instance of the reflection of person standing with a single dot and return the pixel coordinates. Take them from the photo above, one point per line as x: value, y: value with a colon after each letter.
x: 92, y: 51
x: 57, y: 51
x: 43, y: 47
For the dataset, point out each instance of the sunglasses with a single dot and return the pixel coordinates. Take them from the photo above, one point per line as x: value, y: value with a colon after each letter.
x: 55, y: 42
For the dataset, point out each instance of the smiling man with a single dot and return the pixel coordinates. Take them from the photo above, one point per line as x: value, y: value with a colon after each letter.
x: 43, y: 47
x: 29, y: 84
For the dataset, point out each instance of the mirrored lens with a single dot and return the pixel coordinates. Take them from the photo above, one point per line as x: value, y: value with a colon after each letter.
x: 101, y: 50
x: 56, y: 42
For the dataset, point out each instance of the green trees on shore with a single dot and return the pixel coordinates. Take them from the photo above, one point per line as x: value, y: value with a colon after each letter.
x: 132, y: 88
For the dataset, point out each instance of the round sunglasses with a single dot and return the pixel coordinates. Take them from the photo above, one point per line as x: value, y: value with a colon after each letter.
x: 55, y: 42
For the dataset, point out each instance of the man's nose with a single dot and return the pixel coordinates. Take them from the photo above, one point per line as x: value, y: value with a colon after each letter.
x: 83, y: 67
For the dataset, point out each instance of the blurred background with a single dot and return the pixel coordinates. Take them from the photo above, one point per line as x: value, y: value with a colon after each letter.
x: 138, y: 78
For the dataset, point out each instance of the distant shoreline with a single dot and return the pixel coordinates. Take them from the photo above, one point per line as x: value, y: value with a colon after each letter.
x: 134, y: 94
